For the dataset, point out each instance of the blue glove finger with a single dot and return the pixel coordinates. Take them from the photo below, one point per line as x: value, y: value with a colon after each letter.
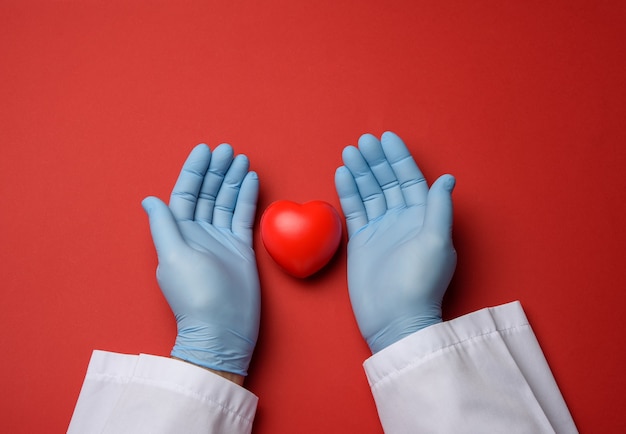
x: 220, y: 162
x: 245, y: 209
x: 229, y: 191
x: 350, y: 199
x: 165, y: 233
x: 412, y: 182
x: 185, y: 193
x: 372, y: 151
x: 438, y: 217
x: 371, y: 194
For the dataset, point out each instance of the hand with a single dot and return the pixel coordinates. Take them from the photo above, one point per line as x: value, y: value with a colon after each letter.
x: 207, y: 269
x: 400, y: 253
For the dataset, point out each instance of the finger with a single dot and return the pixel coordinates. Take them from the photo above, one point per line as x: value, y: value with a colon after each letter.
x: 245, y: 208
x: 412, y: 182
x: 229, y: 191
x: 185, y: 193
x: 369, y: 189
x: 221, y: 160
x: 165, y: 233
x: 438, y: 215
x: 372, y: 151
x: 350, y: 199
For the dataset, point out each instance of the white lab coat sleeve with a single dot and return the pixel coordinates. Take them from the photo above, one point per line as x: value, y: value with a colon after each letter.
x: 480, y: 373
x: 149, y: 394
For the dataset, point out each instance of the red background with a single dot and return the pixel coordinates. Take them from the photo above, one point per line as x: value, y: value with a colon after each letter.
x: 100, y: 102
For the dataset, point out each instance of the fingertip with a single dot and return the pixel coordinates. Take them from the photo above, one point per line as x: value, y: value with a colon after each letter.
x: 201, y: 150
x: 251, y: 180
x: 342, y: 177
x: 243, y: 158
x: 368, y: 143
x: 239, y: 167
x: 389, y: 135
x: 367, y: 137
x: 351, y: 156
x: 393, y: 146
x: 391, y: 140
x: 226, y: 148
x: 348, y: 151
x: 147, y: 204
x: 152, y: 204
x: 341, y: 170
x: 450, y: 183
x: 447, y: 182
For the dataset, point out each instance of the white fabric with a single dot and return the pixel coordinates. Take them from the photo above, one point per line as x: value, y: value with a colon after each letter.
x: 480, y: 373
x: 149, y: 394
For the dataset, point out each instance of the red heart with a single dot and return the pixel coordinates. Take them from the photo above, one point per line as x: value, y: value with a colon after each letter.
x: 301, y: 238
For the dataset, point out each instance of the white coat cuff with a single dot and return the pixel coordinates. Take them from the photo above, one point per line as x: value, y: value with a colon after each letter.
x: 432, y: 340
x: 143, y: 393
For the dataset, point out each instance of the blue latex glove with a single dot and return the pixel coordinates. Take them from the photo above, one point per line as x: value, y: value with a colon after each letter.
x: 400, y: 253
x: 207, y: 269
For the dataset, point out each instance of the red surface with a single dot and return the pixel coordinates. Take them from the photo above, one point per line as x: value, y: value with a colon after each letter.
x: 100, y: 102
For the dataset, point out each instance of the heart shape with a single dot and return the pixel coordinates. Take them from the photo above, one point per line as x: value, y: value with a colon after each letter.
x: 301, y: 238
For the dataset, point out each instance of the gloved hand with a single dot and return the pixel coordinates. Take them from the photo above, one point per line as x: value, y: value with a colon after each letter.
x: 207, y: 269
x: 400, y: 253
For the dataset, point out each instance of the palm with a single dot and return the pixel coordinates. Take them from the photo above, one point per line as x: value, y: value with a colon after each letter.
x: 385, y: 245
x: 394, y: 272
x: 218, y: 258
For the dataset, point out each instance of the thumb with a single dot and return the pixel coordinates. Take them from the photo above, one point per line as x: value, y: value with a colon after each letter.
x: 163, y: 226
x: 438, y: 217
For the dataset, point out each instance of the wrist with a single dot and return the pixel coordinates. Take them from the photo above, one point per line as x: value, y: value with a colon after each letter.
x: 235, y: 378
x: 398, y: 329
x: 221, y: 349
